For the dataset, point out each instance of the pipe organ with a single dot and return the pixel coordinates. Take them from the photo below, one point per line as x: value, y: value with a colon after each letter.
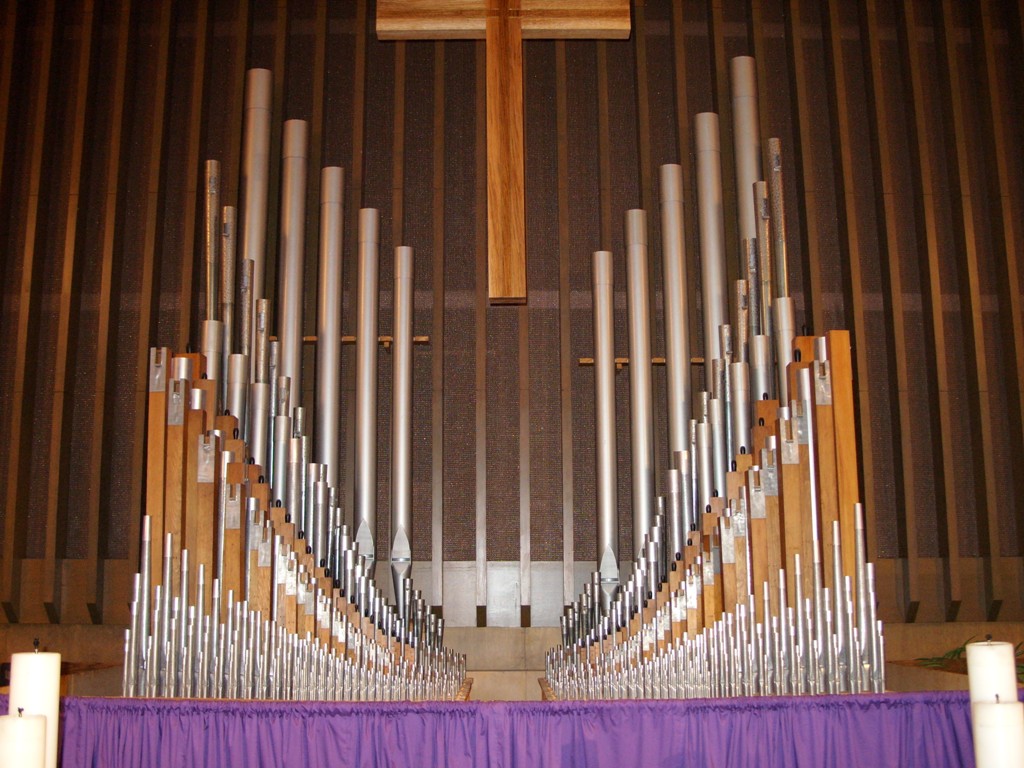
x: 750, y: 575
x: 251, y: 585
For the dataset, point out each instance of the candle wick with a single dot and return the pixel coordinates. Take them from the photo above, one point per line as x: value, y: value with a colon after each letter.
x: 21, y: 711
x: 35, y: 644
x: 997, y: 698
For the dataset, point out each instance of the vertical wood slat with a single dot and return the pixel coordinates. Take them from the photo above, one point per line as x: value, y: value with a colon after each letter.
x: 19, y: 449
x: 194, y: 194
x: 150, y: 255
x: 282, y: 26
x: 231, y: 163
x: 803, y: 130
x: 397, y: 150
x: 104, y: 354
x: 564, y: 325
x: 480, y: 341
x: 929, y: 258
x: 847, y: 201
x: 964, y: 235
x: 64, y: 355
x: 759, y: 50
x: 1005, y: 237
x: 685, y: 155
x: 10, y: 30
x: 437, y: 340
x: 721, y: 95
x: 890, y: 257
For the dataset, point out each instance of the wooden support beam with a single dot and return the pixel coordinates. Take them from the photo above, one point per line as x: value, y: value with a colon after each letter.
x: 17, y: 439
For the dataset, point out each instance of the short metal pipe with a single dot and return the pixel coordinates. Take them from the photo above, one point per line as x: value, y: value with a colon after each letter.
x: 238, y: 391
x: 211, y: 235
x: 739, y: 384
x: 785, y: 333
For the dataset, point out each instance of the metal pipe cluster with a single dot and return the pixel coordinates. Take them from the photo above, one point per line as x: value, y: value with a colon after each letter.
x: 739, y: 585
x: 266, y: 591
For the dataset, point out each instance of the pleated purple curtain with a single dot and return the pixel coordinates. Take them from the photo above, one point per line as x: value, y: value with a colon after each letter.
x: 929, y: 730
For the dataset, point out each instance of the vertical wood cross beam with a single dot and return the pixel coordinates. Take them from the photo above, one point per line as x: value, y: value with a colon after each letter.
x: 504, y: 24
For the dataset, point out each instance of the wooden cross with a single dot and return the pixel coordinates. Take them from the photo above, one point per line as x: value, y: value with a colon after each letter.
x: 504, y: 24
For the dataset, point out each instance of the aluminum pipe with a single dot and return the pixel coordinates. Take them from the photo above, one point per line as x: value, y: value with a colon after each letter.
x: 677, y: 314
x: 739, y: 383
x: 760, y: 367
x: 785, y: 332
x: 238, y: 391
x: 714, y: 291
x: 211, y: 346
x: 366, y: 388
x: 292, y: 254
x: 401, y: 423
x: 604, y: 385
x: 246, y: 313
x: 746, y: 140
x: 328, y: 323
x: 641, y: 412
x: 776, y: 196
x: 227, y: 288
x: 255, y: 176
x: 211, y: 235
x: 762, y: 210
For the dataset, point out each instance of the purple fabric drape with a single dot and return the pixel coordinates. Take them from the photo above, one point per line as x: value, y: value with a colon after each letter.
x: 929, y: 730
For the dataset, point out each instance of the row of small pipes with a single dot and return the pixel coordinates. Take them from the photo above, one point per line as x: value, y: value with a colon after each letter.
x: 365, y: 647
x: 632, y: 639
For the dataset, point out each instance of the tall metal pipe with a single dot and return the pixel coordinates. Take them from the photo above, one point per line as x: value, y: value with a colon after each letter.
x: 328, y: 323
x: 227, y: 286
x: 746, y: 140
x: 641, y: 413
x: 366, y: 388
x: 293, y: 238
x: 714, y: 291
x: 211, y: 345
x: 211, y: 235
x: 255, y: 177
x: 677, y: 315
x: 778, y: 213
x: 238, y: 390
x: 785, y: 332
x: 401, y: 423
x: 604, y: 378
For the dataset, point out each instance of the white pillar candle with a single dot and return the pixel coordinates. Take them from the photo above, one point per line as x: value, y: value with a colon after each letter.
x: 35, y: 689
x: 22, y: 741
x: 991, y: 672
x: 998, y: 734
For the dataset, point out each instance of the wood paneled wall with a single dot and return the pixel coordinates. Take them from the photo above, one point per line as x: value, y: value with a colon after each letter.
x: 904, y: 194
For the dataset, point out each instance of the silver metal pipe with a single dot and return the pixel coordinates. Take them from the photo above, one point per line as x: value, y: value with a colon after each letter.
x: 746, y: 140
x: 254, y: 187
x: 674, y: 511
x: 292, y: 254
x: 401, y: 423
x: 641, y: 411
x: 677, y: 315
x: 762, y: 210
x: 778, y: 210
x: 705, y: 475
x: 279, y: 467
x: 739, y: 382
x: 259, y: 425
x: 211, y: 347
x: 211, y: 236
x: 261, y: 344
x: 227, y: 281
x: 238, y: 391
x: 366, y: 388
x: 760, y: 367
x: 785, y: 333
x: 714, y: 292
x: 328, y: 323
x: 604, y: 385
x: 246, y: 311
x: 720, y: 459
